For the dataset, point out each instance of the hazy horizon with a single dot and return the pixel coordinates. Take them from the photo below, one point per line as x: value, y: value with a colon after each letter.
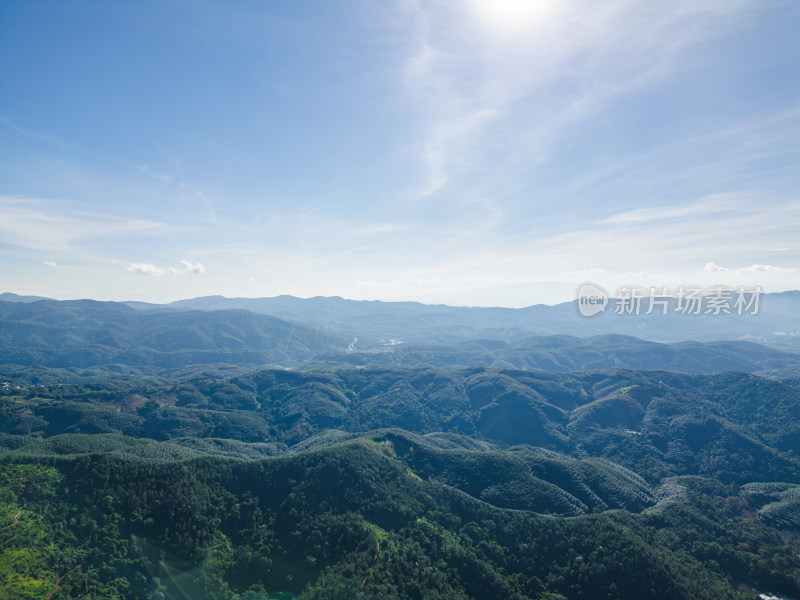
x: 180, y: 299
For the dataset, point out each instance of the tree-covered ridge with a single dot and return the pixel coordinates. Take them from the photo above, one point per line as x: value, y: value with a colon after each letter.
x: 86, y: 333
x: 353, y: 521
x: 563, y: 354
x: 734, y: 427
x: 547, y: 483
x: 401, y: 483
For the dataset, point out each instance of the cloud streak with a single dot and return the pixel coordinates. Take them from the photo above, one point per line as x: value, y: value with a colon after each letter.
x: 154, y: 271
x: 484, y: 90
x: 57, y: 225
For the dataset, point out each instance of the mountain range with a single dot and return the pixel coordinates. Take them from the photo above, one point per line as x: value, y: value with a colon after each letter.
x: 332, y: 331
x: 327, y: 449
x: 777, y: 322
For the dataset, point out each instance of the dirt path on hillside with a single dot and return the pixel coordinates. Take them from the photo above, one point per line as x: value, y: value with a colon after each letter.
x: 374, y: 560
x: 54, y: 591
x: 16, y: 520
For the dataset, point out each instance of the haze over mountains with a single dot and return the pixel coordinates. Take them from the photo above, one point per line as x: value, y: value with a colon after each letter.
x: 779, y: 314
x: 294, y: 332
x: 777, y: 322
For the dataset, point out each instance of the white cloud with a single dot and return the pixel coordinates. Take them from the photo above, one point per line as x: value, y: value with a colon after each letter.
x: 711, y: 267
x: 765, y: 269
x: 49, y: 263
x: 147, y: 269
x: 193, y: 268
x: 153, y: 270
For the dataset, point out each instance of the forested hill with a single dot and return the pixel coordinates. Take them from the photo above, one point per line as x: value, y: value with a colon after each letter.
x: 84, y: 333
x: 424, y: 483
x: 561, y: 354
x: 732, y: 426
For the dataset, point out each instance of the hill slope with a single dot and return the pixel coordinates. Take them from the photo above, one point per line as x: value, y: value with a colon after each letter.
x: 83, y: 333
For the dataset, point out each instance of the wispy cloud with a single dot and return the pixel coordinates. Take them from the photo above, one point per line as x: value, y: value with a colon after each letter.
x: 718, y: 204
x: 485, y: 86
x: 50, y: 263
x: 377, y: 229
x: 711, y: 267
x: 60, y: 226
x: 765, y: 269
x: 41, y: 137
x: 163, y: 177
x: 179, y: 188
x: 154, y: 271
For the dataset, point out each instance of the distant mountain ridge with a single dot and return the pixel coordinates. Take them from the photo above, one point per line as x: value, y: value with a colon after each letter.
x: 9, y: 297
x: 373, y: 321
x: 777, y: 322
x: 89, y: 333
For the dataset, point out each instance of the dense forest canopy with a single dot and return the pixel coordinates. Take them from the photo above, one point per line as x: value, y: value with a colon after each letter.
x: 407, y: 483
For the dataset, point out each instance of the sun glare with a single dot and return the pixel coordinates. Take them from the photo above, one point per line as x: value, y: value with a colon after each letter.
x: 510, y: 16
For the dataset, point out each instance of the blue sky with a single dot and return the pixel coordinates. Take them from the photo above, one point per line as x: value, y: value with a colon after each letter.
x: 484, y: 152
